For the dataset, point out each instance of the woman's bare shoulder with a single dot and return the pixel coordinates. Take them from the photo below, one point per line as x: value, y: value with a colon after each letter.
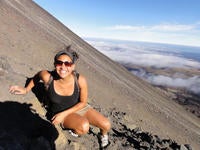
x: 44, y: 75
x: 82, y: 80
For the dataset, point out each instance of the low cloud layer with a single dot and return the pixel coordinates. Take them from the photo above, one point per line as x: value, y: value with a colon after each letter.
x: 154, y: 55
x: 145, y: 55
x: 191, y: 83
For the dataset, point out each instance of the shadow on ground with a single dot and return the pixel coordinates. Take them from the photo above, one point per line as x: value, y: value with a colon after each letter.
x: 22, y: 128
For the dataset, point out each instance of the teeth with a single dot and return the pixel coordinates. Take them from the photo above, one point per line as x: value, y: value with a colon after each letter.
x: 63, y: 71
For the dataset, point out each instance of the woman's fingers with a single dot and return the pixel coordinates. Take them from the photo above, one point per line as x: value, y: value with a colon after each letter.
x: 12, y: 89
x: 57, y: 119
x: 17, y: 90
x: 54, y: 120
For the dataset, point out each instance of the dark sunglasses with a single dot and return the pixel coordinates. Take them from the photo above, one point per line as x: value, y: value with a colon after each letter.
x: 66, y: 63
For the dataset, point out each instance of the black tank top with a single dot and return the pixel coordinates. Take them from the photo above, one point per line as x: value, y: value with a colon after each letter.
x: 58, y: 103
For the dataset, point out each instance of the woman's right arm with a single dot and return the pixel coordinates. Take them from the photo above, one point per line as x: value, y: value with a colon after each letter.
x: 18, y: 90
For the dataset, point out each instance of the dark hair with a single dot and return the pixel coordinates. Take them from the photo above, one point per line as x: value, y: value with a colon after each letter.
x: 69, y: 52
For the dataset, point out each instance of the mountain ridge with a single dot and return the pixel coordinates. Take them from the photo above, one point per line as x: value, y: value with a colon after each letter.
x: 30, y: 37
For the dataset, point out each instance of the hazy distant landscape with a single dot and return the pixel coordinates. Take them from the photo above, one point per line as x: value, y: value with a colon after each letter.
x: 173, y: 68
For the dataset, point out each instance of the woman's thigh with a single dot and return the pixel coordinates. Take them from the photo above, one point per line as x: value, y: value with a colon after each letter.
x: 95, y: 118
x: 74, y: 121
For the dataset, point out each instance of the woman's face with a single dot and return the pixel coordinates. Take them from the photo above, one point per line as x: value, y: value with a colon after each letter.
x: 64, y: 66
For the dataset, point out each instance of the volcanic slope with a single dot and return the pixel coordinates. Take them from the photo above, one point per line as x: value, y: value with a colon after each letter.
x: 29, y: 39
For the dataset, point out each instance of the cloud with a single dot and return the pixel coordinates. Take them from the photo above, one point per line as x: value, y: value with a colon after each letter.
x: 126, y: 27
x: 174, y: 82
x: 145, y: 55
x: 173, y: 33
x: 174, y: 27
x: 156, y: 28
x: 191, y: 84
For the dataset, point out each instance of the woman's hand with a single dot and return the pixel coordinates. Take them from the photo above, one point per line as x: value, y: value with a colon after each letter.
x: 17, y: 90
x: 58, y: 118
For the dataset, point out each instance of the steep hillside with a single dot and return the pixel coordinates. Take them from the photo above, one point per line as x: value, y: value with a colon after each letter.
x: 29, y: 38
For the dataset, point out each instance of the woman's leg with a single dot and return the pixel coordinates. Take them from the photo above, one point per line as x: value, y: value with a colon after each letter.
x: 77, y: 123
x: 98, y: 120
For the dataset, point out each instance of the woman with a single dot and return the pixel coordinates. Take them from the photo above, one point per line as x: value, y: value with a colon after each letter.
x: 68, y: 93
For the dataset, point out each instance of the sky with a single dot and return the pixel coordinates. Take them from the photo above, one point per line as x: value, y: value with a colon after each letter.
x: 159, y: 21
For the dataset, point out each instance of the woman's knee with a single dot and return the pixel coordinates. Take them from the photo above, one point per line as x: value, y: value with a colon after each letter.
x: 106, y: 124
x: 78, y: 123
x: 83, y: 127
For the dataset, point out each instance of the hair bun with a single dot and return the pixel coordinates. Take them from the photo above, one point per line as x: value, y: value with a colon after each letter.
x: 75, y: 56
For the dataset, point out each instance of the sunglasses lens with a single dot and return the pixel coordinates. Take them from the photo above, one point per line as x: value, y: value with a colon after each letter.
x: 58, y: 63
x: 66, y: 63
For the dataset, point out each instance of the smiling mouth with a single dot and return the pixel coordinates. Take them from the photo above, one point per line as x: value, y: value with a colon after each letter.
x: 63, y: 71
